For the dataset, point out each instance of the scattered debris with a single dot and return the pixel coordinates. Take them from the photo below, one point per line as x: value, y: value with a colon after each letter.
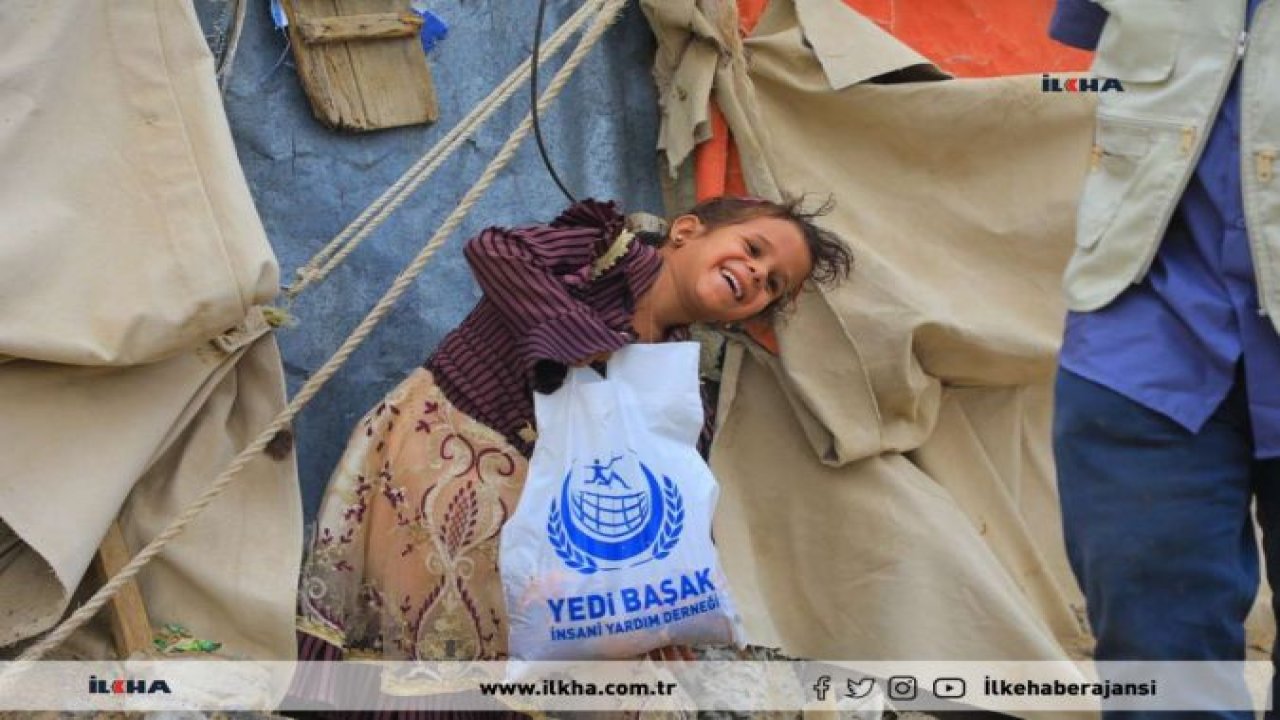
x: 174, y: 639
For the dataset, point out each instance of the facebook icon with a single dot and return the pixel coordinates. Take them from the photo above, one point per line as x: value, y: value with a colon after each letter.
x: 822, y: 686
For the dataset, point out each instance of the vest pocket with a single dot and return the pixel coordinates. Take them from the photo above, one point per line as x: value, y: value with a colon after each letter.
x: 1139, y: 43
x: 1118, y: 150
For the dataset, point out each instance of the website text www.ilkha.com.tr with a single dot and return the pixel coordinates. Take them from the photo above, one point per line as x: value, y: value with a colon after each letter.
x: 557, y: 687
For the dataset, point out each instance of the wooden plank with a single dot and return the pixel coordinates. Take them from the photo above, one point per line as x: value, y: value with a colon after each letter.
x: 324, y: 70
x: 130, y: 626
x: 360, y: 85
x: 391, y: 91
x: 373, y: 26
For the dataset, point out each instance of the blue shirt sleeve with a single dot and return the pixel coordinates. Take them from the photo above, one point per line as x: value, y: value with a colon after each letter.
x: 1077, y: 23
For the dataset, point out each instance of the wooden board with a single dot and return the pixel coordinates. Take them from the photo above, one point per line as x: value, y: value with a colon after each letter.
x: 359, y: 27
x: 130, y: 627
x: 361, y: 84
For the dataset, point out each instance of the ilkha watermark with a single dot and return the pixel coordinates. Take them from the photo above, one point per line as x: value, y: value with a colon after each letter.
x: 127, y: 686
x: 1079, y: 84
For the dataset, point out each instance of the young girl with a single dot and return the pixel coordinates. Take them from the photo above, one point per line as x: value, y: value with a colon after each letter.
x: 404, y: 563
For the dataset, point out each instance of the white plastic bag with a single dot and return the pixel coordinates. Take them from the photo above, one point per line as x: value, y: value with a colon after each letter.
x: 609, y: 553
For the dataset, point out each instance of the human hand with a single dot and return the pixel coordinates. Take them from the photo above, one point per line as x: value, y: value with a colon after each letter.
x: 593, y: 359
x: 673, y: 653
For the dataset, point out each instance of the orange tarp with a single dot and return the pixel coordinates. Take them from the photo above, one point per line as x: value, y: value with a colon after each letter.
x: 977, y: 38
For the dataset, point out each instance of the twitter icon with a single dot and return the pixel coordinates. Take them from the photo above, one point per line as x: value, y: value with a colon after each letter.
x: 860, y: 688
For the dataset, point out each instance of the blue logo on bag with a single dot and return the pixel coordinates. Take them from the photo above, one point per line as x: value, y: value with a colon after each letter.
x: 603, y: 519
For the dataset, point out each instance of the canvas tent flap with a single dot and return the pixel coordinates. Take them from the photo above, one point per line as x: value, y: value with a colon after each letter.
x: 690, y: 45
x: 849, y: 47
x: 140, y: 443
x: 131, y: 282
x: 869, y: 560
x: 700, y: 56
x: 118, y: 169
x: 955, y: 285
x: 904, y: 427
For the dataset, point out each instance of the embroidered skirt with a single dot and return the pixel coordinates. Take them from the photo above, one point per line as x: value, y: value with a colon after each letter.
x: 404, y: 561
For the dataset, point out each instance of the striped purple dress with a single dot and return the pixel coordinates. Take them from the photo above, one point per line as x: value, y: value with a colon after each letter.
x: 540, y: 312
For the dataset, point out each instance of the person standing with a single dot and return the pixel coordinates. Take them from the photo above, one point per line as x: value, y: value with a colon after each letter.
x: 1167, y: 423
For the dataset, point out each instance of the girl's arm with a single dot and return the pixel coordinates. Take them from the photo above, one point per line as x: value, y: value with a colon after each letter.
x: 526, y: 274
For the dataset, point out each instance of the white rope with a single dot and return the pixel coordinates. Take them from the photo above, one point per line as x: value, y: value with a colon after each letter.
x: 608, y: 14
x: 332, y: 254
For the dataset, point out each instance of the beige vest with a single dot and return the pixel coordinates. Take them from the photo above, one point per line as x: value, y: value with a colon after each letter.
x: 1175, y: 59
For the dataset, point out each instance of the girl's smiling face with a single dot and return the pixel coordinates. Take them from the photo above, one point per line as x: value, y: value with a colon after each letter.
x: 736, y: 271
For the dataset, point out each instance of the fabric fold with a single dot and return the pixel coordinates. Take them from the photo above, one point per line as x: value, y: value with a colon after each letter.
x: 134, y: 216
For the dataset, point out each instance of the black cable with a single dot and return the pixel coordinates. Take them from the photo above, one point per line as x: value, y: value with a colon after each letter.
x: 533, y: 101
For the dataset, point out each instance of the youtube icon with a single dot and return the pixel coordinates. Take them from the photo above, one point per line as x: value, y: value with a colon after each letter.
x: 948, y: 688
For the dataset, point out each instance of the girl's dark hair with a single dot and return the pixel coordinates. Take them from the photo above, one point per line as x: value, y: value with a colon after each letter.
x: 832, y: 259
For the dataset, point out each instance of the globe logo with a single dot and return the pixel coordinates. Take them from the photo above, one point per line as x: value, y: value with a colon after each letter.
x: 608, y: 513
x: 614, y: 512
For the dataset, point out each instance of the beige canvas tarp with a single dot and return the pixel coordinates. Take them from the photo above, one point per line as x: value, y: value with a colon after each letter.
x: 137, y: 363
x: 888, y: 486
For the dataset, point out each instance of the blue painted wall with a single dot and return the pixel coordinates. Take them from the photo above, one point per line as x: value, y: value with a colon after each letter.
x: 308, y: 182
